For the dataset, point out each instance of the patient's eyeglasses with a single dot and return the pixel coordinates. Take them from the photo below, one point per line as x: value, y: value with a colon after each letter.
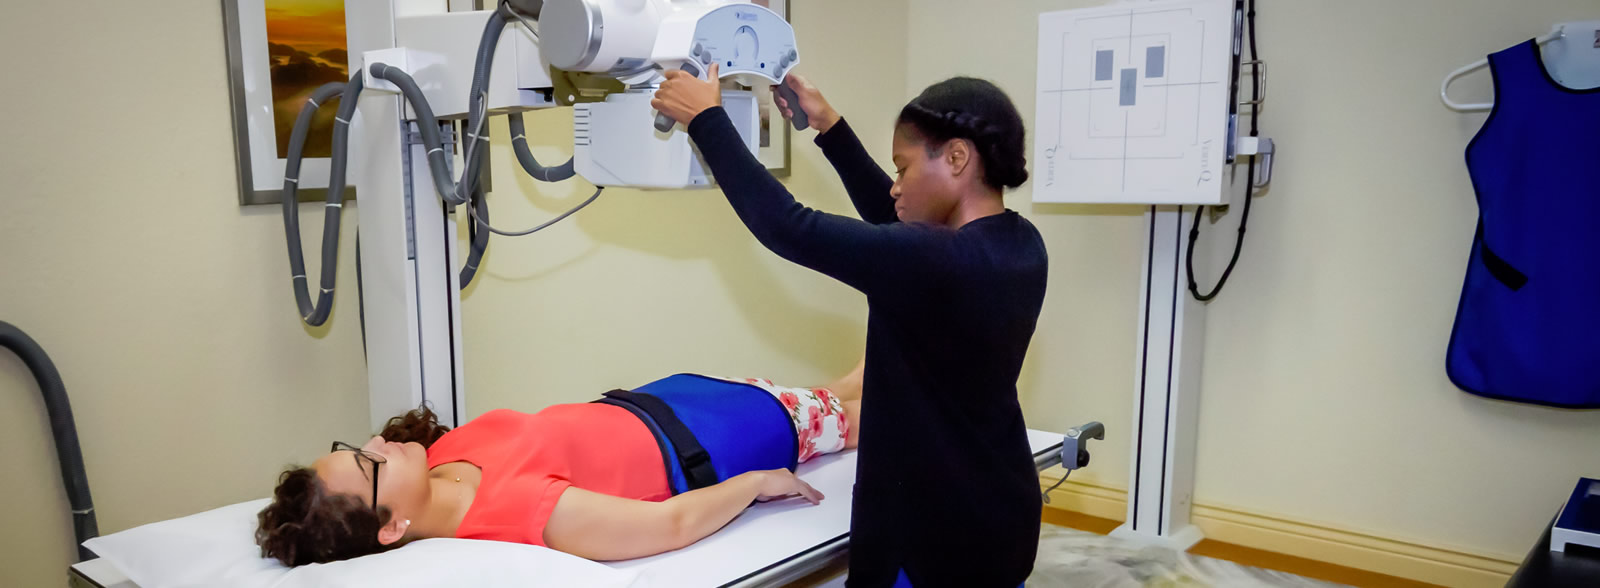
x: 368, y: 456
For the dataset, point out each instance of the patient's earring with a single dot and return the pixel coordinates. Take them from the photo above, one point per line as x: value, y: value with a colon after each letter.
x: 408, y: 522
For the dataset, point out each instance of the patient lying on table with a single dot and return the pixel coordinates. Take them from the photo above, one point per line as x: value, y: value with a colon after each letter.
x: 600, y: 481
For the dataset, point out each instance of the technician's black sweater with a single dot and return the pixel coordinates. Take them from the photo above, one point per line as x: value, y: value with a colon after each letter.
x: 945, y: 484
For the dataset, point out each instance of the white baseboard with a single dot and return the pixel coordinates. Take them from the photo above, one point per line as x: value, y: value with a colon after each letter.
x: 1315, y: 541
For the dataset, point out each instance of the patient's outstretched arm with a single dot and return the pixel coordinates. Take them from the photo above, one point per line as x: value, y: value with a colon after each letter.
x: 607, y: 528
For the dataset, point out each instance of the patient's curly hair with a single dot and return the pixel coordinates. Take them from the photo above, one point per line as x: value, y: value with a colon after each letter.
x: 305, y: 524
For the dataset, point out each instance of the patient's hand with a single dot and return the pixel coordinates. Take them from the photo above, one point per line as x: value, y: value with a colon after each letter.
x: 778, y: 484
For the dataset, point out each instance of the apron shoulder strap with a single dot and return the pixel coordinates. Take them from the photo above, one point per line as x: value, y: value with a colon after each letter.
x: 694, y: 459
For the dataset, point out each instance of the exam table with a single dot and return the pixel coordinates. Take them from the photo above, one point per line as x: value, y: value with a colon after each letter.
x: 770, y: 544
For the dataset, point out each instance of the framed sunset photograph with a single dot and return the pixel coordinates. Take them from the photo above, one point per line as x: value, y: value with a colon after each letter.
x: 279, y: 51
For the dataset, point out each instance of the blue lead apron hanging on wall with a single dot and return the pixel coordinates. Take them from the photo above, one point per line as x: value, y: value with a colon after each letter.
x: 1528, y: 327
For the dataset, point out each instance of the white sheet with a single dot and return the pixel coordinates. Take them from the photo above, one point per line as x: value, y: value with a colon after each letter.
x: 768, y: 533
x: 217, y: 548
x: 219, y: 543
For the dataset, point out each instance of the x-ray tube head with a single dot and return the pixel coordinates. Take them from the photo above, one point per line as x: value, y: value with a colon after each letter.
x: 570, y: 32
x: 601, y: 36
x: 623, y: 141
x: 624, y: 37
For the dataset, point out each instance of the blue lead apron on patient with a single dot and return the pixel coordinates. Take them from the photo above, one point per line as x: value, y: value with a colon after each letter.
x: 1528, y: 328
x: 710, y: 430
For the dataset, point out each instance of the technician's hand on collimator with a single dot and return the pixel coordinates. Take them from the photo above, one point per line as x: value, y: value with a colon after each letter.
x: 822, y: 115
x: 684, y: 96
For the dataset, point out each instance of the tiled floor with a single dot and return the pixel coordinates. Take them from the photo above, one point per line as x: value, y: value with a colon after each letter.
x: 1078, y: 559
x: 1068, y: 557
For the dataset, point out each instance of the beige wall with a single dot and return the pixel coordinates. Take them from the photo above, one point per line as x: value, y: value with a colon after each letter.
x: 646, y: 284
x: 1324, y: 396
x: 1325, y: 391
x: 165, y: 305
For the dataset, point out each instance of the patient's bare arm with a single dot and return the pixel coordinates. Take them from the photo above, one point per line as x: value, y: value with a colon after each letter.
x: 605, y: 528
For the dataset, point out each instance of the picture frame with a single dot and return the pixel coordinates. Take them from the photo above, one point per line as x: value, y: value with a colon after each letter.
x: 278, y: 51
x: 774, y: 143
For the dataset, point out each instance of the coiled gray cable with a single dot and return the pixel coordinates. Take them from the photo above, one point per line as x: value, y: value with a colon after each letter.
x: 479, y: 240
x: 467, y: 191
x: 428, y: 124
x: 315, y: 314
x: 484, y: 220
x: 477, y: 96
x: 478, y: 208
x: 519, y: 143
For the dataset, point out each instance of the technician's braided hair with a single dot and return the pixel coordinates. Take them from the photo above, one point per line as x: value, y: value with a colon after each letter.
x: 305, y: 524
x: 980, y: 112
